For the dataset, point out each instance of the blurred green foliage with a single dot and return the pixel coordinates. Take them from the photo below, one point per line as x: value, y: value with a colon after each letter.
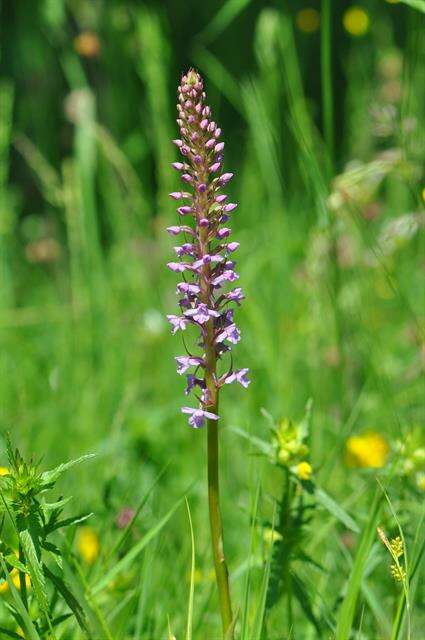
x: 331, y: 260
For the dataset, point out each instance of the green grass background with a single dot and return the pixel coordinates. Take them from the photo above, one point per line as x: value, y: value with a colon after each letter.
x: 333, y: 311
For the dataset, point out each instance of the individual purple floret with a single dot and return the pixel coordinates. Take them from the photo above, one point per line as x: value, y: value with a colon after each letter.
x: 204, y: 254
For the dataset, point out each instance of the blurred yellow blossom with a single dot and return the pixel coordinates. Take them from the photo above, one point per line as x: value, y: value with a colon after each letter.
x: 368, y: 450
x: 88, y: 544
x: 87, y: 44
x: 4, y: 471
x: 308, y: 20
x: 14, y: 574
x: 304, y: 471
x: 356, y: 21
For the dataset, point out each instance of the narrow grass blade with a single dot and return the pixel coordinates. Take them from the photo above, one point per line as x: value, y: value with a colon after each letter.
x: 127, y: 560
x: 257, y: 630
x: 123, y: 537
x: 335, y: 510
x: 415, y: 4
x: 192, y: 578
x: 244, y: 629
x: 224, y: 16
x: 348, y: 607
x: 26, y: 620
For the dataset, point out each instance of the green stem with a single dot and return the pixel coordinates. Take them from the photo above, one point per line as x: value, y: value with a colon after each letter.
x: 221, y: 573
x: 22, y: 576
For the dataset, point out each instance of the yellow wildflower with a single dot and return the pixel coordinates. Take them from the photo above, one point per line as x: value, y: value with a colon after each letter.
x: 304, y: 470
x: 4, y: 471
x: 356, y: 21
x: 308, y: 20
x: 88, y: 544
x: 370, y: 450
x: 397, y: 547
x: 397, y: 572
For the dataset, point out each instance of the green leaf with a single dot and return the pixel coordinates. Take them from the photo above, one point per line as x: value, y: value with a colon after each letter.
x: 55, y: 622
x: 27, y: 623
x: 224, y: 16
x: 335, y: 510
x: 50, y: 477
x: 263, y: 446
x: 50, y: 506
x: 69, y: 598
x: 415, y: 4
x: 10, y: 634
x: 347, y: 610
x: 129, y: 558
x: 15, y: 562
x: 35, y: 570
x: 60, y: 524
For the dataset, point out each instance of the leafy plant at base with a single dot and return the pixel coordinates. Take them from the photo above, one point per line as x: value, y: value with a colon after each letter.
x: 39, y: 560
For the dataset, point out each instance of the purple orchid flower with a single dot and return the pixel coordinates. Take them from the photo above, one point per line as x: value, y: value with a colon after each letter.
x: 198, y: 416
x: 240, y: 375
x: 205, y: 259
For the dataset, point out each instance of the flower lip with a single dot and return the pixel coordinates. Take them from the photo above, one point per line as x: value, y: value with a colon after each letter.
x: 198, y: 416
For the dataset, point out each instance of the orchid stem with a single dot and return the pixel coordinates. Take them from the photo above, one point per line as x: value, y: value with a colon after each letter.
x: 221, y: 572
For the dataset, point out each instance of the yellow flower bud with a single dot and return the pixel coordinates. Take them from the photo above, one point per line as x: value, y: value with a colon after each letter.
x: 304, y: 471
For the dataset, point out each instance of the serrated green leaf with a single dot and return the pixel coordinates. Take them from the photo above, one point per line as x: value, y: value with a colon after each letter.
x: 15, y: 562
x: 335, y: 510
x: 50, y: 506
x: 49, y: 477
x: 27, y: 623
x: 55, y: 622
x: 38, y: 580
x: 60, y: 524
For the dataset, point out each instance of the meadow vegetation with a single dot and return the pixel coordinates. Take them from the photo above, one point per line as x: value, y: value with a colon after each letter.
x: 323, y: 456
